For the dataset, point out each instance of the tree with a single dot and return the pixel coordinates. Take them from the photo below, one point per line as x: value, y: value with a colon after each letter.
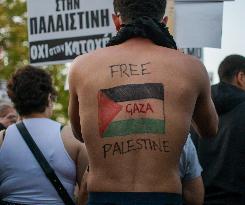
x: 14, y: 44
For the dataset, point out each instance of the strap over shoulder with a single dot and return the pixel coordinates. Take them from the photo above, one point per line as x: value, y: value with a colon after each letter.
x: 48, y: 170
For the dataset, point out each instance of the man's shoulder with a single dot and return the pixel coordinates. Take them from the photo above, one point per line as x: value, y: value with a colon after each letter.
x: 192, y: 62
x: 184, y: 60
x: 85, y: 61
x: 98, y: 53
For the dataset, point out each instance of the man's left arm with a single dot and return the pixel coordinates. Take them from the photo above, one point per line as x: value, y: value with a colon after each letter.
x: 192, y: 183
x: 193, y: 191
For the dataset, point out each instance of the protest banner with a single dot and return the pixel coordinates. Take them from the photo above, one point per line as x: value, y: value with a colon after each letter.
x: 60, y: 30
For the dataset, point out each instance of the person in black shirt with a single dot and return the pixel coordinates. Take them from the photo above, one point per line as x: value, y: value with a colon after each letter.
x: 223, y: 157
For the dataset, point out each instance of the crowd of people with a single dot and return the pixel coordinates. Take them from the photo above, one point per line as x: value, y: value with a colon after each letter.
x: 146, y: 127
x: 223, y: 158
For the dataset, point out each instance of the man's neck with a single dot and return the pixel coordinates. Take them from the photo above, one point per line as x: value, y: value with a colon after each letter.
x: 234, y: 83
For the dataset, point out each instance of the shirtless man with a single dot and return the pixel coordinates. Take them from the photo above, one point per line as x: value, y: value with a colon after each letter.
x: 133, y: 104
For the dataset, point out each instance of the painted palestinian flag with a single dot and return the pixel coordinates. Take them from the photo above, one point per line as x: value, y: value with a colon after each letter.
x: 131, y: 109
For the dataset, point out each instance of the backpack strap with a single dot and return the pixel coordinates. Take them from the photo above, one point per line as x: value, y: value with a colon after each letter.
x: 49, y: 172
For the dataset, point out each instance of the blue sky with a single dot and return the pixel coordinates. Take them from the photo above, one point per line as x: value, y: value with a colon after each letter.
x: 233, y: 38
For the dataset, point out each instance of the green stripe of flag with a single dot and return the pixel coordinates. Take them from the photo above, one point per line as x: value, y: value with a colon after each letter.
x: 135, y: 126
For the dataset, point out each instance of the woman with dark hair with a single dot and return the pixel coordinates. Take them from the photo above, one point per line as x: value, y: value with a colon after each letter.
x: 22, y: 180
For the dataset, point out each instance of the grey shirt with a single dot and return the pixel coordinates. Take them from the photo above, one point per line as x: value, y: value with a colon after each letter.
x: 189, y: 166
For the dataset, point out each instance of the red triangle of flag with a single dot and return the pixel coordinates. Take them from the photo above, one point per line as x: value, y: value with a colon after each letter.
x: 108, y: 110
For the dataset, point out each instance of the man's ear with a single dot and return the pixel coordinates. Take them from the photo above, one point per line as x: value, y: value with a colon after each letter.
x: 240, y: 79
x: 165, y: 20
x: 117, y: 21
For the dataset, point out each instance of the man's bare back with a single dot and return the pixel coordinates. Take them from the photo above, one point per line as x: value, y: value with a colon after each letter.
x: 136, y: 102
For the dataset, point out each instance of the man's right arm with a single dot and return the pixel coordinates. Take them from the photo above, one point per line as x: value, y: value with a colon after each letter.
x: 73, y: 109
x: 205, y: 116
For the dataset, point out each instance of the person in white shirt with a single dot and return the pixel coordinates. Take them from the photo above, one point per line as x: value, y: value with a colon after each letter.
x: 22, y: 180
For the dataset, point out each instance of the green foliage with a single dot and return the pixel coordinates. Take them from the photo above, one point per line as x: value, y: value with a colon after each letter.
x: 61, y: 106
x: 13, y: 36
x: 14, y: 43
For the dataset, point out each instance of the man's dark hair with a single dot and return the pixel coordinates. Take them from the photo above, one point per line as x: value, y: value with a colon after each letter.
x: 230, y: 67
x: 142, y: 18
x: 130, y: 10
x: 29, y: 89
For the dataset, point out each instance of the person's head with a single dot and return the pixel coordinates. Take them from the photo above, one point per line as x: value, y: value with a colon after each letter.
x: 128, y: 10
x: 31, y: 91
x: 232, y: 70
x: 8, y: 114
